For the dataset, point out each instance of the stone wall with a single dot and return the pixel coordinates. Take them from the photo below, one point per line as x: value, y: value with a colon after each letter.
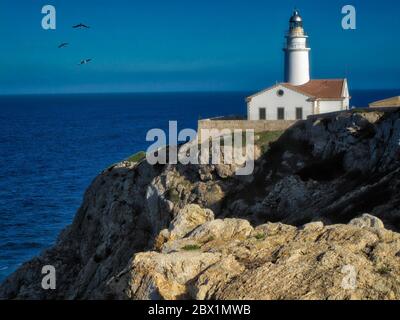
x: 351, y: 111
x: 257, y: 125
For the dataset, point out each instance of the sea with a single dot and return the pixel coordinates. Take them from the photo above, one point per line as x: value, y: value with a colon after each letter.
x: 53, y: 146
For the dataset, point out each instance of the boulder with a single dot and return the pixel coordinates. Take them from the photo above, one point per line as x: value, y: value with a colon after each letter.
x: 367, y: 221
x: 311, y: 262
x: 188, y: 219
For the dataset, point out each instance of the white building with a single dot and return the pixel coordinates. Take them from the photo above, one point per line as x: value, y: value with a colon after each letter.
x: 298, y: 97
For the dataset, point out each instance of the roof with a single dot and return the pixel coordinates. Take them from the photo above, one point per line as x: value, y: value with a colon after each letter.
x: 390, y: 102
x: 296, y: 17
x: 323, y: 89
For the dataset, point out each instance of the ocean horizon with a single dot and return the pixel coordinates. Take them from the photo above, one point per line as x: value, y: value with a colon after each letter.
x: 52, y: 146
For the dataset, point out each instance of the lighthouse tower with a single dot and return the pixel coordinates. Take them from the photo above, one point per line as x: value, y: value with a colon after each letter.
x: 297, y: 65
x: 298, y: 97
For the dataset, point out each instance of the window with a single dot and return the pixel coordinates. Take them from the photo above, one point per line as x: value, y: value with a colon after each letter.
x: 280, y: 93
x: 262, y: 114
x: 299, y: 113
x: 281, y: 113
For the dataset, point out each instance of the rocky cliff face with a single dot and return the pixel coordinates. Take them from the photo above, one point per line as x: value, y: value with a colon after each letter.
x: 290, y: 231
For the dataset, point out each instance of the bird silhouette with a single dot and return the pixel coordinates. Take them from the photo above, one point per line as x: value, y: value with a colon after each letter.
x: 81, y: 25
x: 62, y: 45
x: 84, y: 61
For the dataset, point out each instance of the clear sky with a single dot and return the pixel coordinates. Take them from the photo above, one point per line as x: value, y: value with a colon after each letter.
x: 182, y: 45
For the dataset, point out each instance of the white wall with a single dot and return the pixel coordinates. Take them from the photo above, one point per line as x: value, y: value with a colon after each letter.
x: 297, y: 68
x: 271, y: 101
x: 346, y: 95
x: 297, y: 64
x: 330, y: 106
x: 346, y: 104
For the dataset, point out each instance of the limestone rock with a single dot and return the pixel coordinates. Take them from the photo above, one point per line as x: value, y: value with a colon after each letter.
x: 226, y: 229
x: 367, y: 221
x: 312, y: 262
x: 214, y: 278
x: 188, y: 218
x: 153, y: 275
x: 317, y: 225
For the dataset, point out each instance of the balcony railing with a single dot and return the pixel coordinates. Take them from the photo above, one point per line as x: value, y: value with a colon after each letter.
x: 296, y: 46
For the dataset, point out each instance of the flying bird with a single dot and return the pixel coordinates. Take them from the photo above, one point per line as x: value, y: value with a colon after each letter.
x: 85, y: 61
x: 62, y: 45
x: 81, y: 25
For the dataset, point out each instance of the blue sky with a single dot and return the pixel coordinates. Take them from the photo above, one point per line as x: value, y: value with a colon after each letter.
x: 177, y: 45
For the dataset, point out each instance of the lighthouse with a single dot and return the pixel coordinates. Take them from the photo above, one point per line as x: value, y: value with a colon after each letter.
x: 299, y: 96
x: 297, y: 63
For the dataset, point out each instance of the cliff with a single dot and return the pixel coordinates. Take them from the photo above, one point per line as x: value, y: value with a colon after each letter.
x: 295, y: 229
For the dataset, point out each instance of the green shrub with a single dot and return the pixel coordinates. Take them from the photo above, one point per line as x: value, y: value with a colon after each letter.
x: 137, y: 157
x: 173, y: 195
x: 261, y: 139
x: 210, y: 238
x: 260, y: 236
x: 266, y: 138
x: 385, y: 270
x: 191, y: 247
